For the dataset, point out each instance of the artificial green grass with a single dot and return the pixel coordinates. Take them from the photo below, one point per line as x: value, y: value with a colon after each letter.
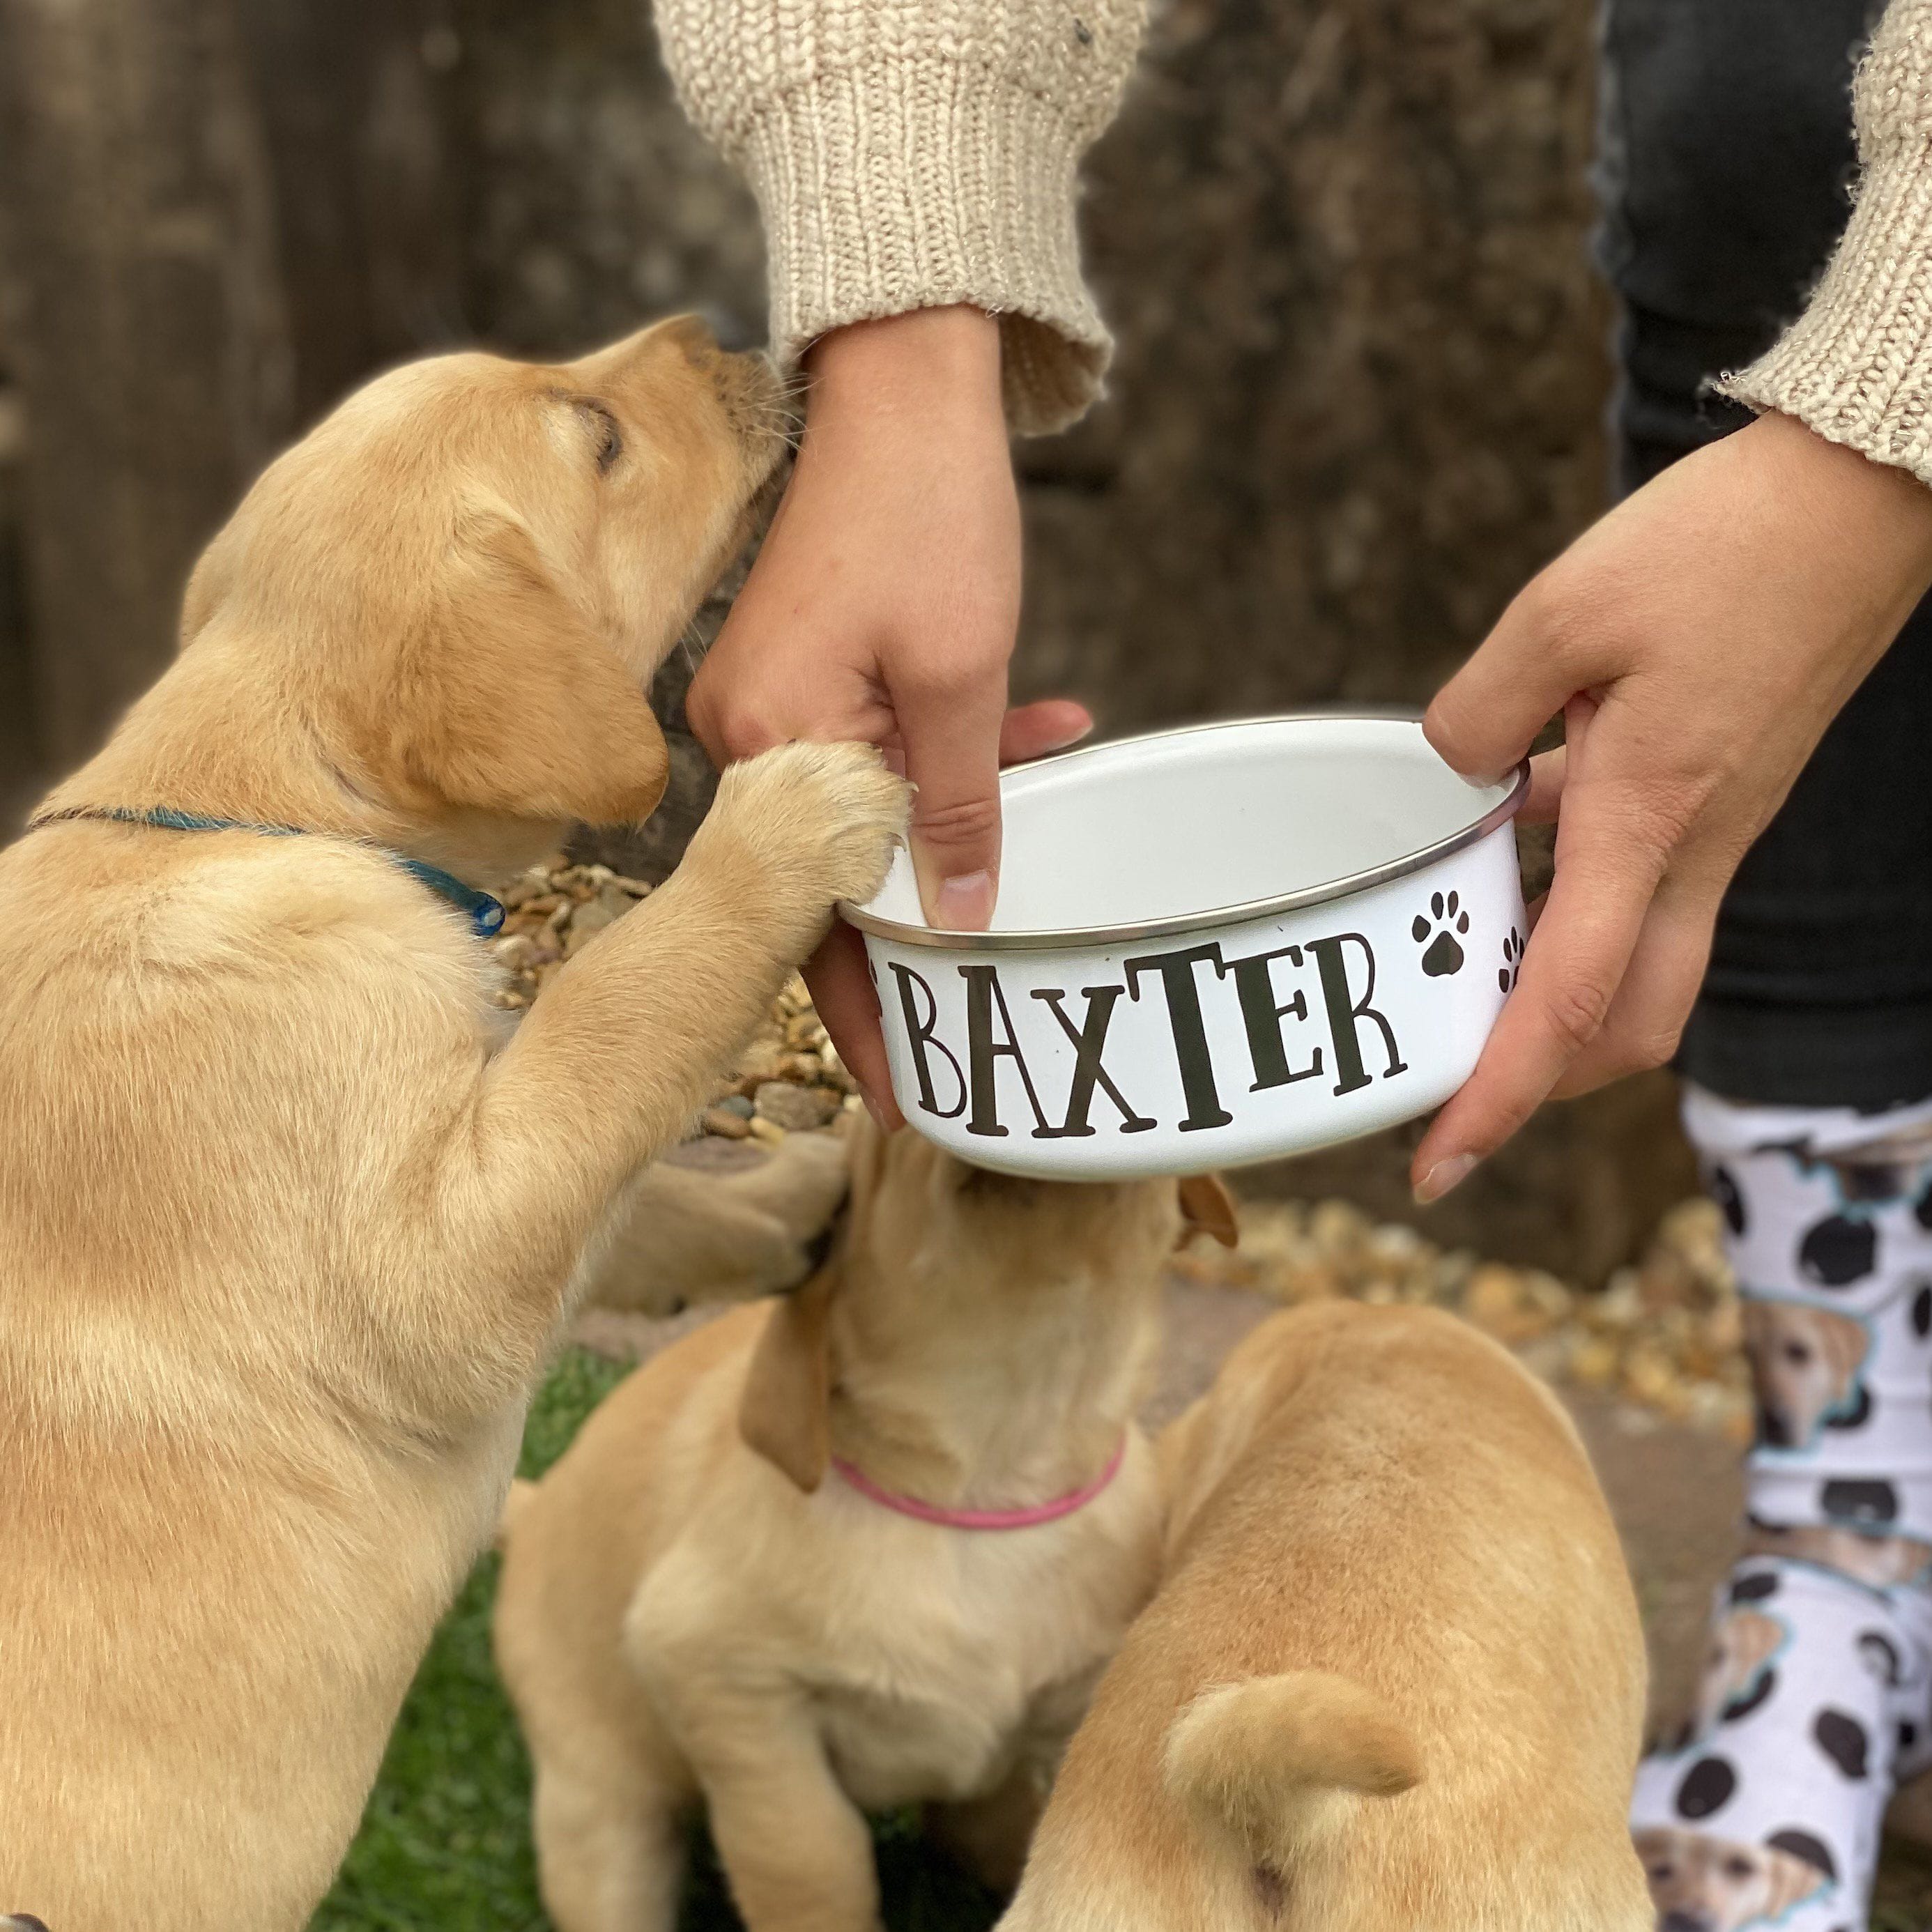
x: 445, y: 1845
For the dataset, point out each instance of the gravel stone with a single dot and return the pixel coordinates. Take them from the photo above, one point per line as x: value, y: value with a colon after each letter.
x: 796, y: 1109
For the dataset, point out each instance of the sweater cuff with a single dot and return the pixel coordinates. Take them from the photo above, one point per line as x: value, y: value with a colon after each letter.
x: 1856, y: 367
x: 899, y: 185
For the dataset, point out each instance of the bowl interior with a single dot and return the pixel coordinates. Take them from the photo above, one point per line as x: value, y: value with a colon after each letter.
x: 1192, y: 821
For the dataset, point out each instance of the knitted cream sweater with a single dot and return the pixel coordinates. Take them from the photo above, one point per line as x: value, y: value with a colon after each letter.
x: 911, y: 153
x: 1857, y: 366
x: 908, y: 154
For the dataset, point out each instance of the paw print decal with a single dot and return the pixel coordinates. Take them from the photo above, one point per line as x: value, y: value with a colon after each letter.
x: 1512, y: 965
x: 1445, y: 918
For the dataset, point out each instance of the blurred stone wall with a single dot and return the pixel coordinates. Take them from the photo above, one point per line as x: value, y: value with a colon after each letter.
x: 1357, y: 398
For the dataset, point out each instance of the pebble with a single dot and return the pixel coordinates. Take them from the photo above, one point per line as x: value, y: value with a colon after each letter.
x: 720, y: 1120
x: 797, y: 1109
x: 1664, y: 1334
x: 590, y: 916
x: 759, y: 1062
x: 517, y: 952
x: 760, y: 1129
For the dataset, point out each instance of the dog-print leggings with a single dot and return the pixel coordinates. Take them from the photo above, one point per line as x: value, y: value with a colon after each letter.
x: 1726, y: 165
x: 1816, y: 1694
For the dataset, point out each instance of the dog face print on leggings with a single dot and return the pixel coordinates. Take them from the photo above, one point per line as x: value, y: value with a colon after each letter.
x: 1701, y: 1884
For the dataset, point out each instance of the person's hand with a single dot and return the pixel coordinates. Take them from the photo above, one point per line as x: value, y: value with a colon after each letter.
x: 1697, y: 640
x: 883, y: 607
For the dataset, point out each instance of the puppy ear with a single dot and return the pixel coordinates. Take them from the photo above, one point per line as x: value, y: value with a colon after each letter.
x: 506, y: 700
x: 1793, y: 1879
x: 784, y: 1414
x: 1208, y: 1209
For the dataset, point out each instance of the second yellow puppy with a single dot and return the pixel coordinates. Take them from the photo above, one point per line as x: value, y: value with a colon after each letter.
x: 1393, y: 1680
x: 867, y: 1547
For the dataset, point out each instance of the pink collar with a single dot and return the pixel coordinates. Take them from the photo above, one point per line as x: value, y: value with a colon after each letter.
x: 986, y: 1518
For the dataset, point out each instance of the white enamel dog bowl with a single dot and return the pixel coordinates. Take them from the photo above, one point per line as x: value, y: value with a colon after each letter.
x: 1213, y: 946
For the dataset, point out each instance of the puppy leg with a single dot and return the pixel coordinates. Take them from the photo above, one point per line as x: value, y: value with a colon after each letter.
x: 629, y: 1039
x: 794, y: 1847
x: 610, y: 1848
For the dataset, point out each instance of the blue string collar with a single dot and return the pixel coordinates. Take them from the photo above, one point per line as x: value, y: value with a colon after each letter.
x: 485, y: 914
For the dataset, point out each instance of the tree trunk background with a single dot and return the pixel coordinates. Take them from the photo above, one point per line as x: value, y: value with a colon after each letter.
x: 150, y: 347
x: 1357, y: 398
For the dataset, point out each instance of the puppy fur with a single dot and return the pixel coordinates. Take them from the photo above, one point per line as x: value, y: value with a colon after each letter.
x: 1392, y: 1676
x: 691, y: 1608
x: 287, y: 1219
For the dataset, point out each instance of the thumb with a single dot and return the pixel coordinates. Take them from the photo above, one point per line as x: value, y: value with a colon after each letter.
x: 1484, y: 719
x: 951, y: 740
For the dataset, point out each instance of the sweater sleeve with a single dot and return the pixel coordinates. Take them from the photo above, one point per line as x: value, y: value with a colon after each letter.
x: 1856, y: 366
x: 911, y: 154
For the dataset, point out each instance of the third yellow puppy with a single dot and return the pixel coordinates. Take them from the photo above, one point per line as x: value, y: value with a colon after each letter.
x: 1393, y: 1680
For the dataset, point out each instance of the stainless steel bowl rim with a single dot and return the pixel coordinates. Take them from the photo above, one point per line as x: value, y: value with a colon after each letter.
x: 1090, y: 938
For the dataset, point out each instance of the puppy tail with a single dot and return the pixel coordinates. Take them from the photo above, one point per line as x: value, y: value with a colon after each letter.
x: 1275, y: 1759
x: 515, y: 1503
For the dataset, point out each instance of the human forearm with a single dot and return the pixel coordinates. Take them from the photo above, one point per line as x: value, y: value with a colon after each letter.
x: 1697, y: 641
x: 918, y: 154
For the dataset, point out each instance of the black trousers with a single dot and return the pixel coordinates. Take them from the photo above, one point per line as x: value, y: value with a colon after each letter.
x: 1727, y: 169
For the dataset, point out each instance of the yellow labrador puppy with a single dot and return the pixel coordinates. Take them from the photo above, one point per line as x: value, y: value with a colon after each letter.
x: 1392, y: 1677
x: 867, y: 1547
x: 286, y: 1220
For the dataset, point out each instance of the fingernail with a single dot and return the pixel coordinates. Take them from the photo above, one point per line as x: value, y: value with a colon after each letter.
x: 873, y: 1107
x: 1444, y: 1175
x: 964, y: 905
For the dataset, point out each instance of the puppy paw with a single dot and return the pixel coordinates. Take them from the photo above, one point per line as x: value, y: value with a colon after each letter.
x: 823, y: 818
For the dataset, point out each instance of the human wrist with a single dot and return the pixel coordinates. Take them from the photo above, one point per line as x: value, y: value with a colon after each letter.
x: 1876, y: 516
x: 928, y: 362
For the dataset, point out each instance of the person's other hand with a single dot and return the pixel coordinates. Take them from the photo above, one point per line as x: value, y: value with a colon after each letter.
x: 883, y: 607
x: 1697, y: 640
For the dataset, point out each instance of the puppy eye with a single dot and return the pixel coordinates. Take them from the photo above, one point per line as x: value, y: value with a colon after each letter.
x: 609, y: 437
